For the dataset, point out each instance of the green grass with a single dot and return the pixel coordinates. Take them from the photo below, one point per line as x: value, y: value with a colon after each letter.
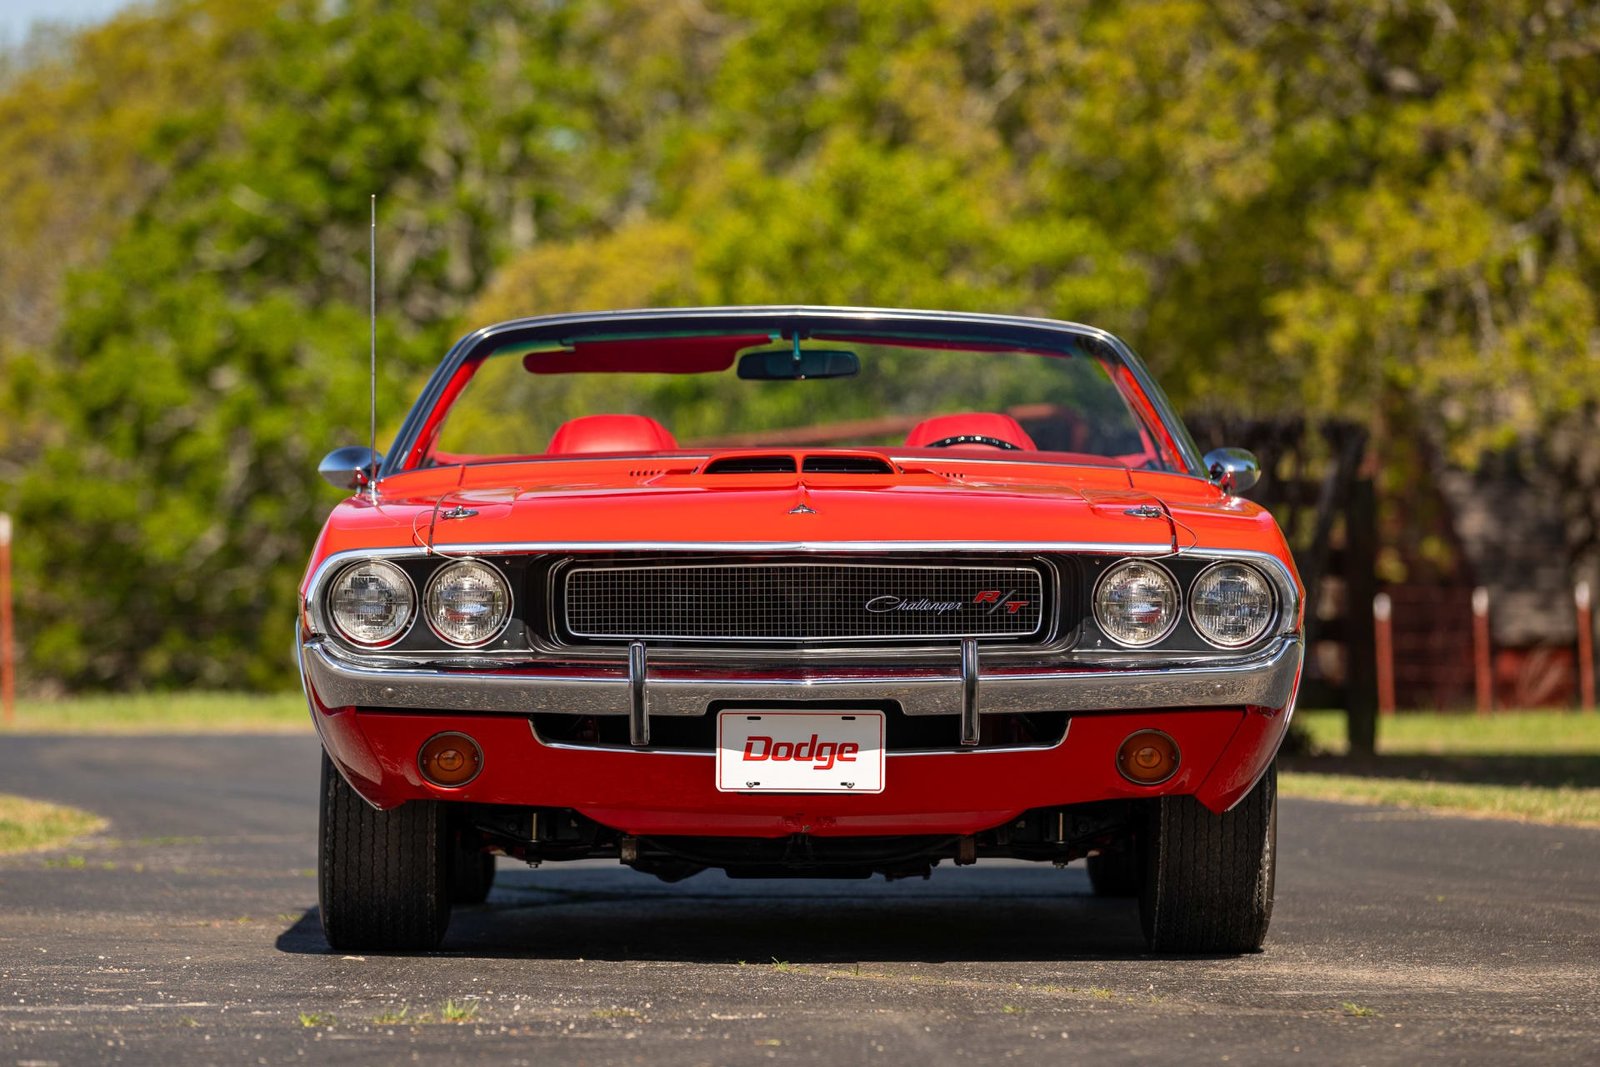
x: 165, y: 713
x: 1507, y: 733
x: 1537, y: 766
x: 26, y: 825
x: 1560, y: 805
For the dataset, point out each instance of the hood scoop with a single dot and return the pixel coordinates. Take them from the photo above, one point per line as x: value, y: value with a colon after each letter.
x: 849, y: 463
x: 789, y: 463
x: 751, y: 463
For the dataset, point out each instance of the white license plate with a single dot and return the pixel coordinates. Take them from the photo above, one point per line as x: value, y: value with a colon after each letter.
x: 800, y: 751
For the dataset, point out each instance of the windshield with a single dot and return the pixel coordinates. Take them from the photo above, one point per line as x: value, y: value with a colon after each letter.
x: 650, y: 395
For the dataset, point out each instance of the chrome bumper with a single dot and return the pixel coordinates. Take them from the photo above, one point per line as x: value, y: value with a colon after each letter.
x: 1263, y: 679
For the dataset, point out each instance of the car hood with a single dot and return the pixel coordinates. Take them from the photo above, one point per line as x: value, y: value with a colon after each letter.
x: 1015, y: 504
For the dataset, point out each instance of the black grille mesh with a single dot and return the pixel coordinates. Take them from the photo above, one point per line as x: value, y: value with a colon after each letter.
x: 820, y: 601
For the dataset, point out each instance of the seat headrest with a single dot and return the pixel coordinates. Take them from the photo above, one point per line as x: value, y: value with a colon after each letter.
x: 611, y: 433
x: 970, y: 424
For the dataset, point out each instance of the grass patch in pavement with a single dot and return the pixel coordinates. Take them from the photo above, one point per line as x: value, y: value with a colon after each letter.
x: 166, y: 713
x: 1540, y: 766
x: 26, y: 824
x: 1562, y: 805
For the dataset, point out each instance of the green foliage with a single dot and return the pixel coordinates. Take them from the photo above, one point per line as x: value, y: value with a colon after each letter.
x: 1324, y: 204
x: 1462, y: 269
x: 209, y: 357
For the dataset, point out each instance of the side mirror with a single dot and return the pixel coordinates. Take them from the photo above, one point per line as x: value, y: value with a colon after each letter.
x: 1233, y: 469
x: 350, y: 467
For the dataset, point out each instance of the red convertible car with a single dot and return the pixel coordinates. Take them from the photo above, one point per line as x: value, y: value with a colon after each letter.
x: 797, y: 591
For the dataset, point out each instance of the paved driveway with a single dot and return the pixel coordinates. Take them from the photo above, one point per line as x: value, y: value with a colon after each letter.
x: 188, y: 933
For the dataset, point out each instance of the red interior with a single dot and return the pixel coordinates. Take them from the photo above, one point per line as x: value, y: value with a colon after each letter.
x: 970, y: 424
x: 611, y: 433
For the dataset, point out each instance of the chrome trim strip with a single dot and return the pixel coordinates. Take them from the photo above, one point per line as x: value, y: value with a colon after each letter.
x: 1264, y: 679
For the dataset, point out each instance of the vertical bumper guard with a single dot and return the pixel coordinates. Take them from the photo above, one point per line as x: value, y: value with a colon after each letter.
x: 638, y: 714
x: 970, y: 723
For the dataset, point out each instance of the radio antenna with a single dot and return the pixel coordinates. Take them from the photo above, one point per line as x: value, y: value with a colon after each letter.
x: 372, y: 349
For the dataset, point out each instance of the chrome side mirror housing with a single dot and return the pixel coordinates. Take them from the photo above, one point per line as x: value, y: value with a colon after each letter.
x: 350, y: 467
x: 1233, y: 469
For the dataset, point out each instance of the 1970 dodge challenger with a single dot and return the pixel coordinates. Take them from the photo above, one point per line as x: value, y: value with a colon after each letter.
x: 797, y: 591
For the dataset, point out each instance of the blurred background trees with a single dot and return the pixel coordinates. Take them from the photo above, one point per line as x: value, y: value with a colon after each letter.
x: 1379, y: 211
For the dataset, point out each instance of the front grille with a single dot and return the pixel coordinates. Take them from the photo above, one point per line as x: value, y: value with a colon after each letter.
x: 803, y: 601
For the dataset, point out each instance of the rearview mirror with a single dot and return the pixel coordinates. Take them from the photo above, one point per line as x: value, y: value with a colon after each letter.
x: 350, y: 467
x: 1233, y: 469
x: 782, y: 364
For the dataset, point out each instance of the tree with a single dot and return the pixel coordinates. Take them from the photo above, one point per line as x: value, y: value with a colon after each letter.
x: 1327, y: 205
x: 207, y: 357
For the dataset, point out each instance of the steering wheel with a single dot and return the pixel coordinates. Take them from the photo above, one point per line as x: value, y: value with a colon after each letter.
x: 974, y: 439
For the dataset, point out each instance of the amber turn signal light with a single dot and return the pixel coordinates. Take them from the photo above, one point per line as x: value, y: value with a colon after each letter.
x: 1148, y: 757
x: 450, y: 760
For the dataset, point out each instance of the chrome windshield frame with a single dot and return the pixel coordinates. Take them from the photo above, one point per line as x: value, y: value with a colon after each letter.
x: 1050, y: 333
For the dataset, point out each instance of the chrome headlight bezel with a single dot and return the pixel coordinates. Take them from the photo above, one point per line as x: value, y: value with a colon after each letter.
x: 1268, y: 619
x: 430, y: 607
x: 1173, y: 616
x: 401, y: 582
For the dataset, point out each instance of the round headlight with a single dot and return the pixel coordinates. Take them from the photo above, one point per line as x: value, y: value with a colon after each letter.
x: 1230, y: 604
x: 1136, y: 603
x: 371, y: 603
x: 467, y: 603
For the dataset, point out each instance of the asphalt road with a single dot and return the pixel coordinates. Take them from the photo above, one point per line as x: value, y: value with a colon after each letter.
x: 187, y: 933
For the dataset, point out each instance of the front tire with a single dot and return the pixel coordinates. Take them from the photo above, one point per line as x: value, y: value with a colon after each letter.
x: 381, y: 875
x: 1209, y: 878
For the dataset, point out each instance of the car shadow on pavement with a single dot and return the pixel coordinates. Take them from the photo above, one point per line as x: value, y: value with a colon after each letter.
x: 606, y: 913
